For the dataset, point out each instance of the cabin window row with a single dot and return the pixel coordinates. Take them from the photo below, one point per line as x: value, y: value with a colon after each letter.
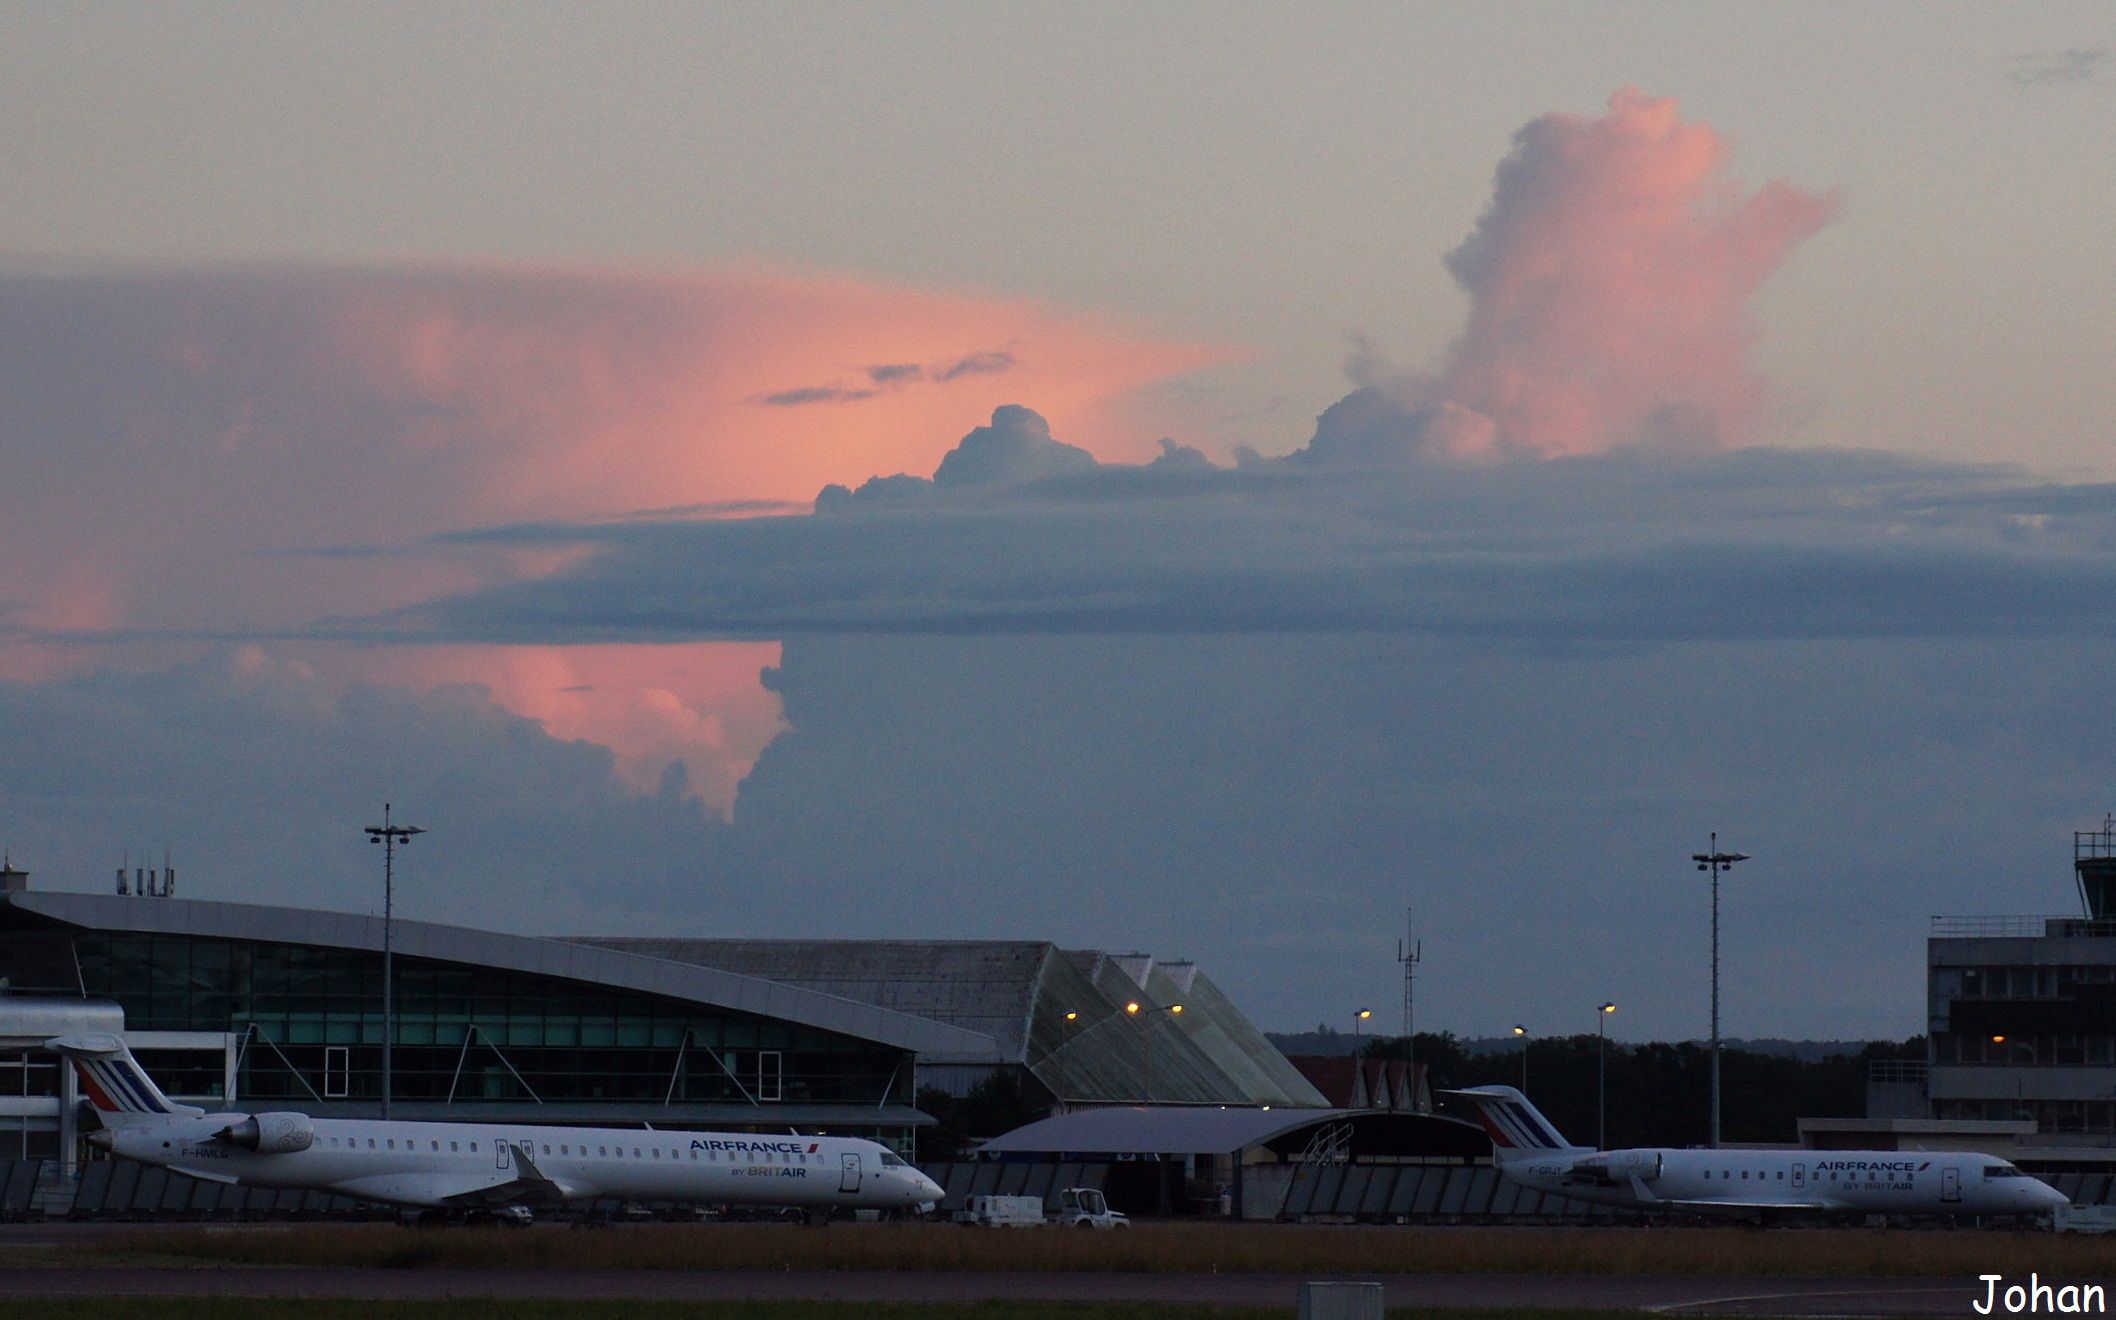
x: 603, y: 1152
x: 1728, y: 1175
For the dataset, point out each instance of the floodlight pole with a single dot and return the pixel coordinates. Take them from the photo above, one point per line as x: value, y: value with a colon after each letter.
x: 389, y: 836
x: 1601, y: 1073
x: 1716, y: 861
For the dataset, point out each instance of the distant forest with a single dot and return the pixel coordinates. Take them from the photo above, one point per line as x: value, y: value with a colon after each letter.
x: 1658, y: 1094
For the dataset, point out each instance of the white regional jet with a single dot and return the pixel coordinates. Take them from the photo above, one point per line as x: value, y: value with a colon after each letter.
x: 1753, y: 1183
x: 450, y: 1168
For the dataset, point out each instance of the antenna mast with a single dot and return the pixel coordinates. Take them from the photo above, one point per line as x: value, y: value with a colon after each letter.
x: 1408, y: 950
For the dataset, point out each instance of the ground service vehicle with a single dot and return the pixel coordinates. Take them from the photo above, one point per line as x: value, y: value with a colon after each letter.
x: 2084, y: 1219
x: 1001, y: 1212
x: 1085, y: 1207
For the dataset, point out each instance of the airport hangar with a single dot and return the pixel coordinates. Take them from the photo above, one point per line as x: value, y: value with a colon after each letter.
x: 231, y: 1003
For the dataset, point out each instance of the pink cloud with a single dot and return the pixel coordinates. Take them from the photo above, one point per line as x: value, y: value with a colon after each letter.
x: 176, y: 437
x: 1610, y: 280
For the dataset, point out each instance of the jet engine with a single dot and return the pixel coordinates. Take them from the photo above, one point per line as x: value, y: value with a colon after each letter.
x: 271, y: 1134
x: 1617, y: 1168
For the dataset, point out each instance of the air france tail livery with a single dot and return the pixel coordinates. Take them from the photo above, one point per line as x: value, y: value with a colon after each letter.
x: 1755, y: 1183
x: 472, y: 1167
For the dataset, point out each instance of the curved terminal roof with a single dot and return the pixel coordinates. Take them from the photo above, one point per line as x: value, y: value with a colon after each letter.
x: 33, y: 1019
x: 620, y: 969
x: 1202, y: 1129
x: 1058, y: 1013
x: 1156, y: 1130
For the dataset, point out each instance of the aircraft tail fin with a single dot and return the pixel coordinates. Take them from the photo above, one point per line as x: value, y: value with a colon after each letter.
x: 114, y: 1082
x: 1516, y: 1127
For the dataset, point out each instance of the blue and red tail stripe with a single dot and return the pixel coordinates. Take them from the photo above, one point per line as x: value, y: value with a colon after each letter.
x: 116, y: 1089
x: 1513, y: 1125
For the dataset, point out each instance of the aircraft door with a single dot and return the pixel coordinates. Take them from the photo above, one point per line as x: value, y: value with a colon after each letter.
x: 850, y: 1180
x: 502, y: 1153
x: 1799, y: 1176
x: 1950, y: 1184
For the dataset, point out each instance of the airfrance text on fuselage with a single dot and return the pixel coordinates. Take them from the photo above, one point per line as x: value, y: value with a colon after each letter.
x: 752, y: 1147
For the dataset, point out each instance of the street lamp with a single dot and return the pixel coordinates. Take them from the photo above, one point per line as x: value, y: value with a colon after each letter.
x: 1601, y: 1073
x: 1521, y: 1033
x: 1139, y: 1014
x: 389, y: 836
x: 1716, y: 861
x: 1359, y: 1021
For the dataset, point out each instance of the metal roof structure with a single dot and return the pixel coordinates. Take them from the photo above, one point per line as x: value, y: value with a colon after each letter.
x: 34, y: 1019
x: 1136, y: 1131
x: 603, y: 966
x: 1058, y: 1013
x: 1157, y: 1130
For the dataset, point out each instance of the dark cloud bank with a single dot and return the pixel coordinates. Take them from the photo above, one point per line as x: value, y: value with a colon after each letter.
x: 1017, y: 532
x: 1252, y: 712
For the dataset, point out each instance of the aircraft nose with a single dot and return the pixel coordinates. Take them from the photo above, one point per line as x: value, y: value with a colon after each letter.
x: 928, y: 1189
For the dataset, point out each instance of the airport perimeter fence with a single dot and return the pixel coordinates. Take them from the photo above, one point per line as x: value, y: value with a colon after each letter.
x: 1422, y: 1193
x: 18, y: 1187
x: 129, y: 1190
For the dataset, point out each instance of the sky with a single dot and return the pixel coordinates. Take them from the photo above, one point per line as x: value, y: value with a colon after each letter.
x: 1233, y: 482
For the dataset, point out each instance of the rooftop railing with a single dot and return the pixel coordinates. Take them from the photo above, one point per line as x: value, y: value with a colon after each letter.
x: 1898, y: 1070
x: 2020, y: 927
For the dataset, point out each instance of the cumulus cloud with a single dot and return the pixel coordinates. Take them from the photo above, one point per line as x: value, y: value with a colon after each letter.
x: 1609, y: 283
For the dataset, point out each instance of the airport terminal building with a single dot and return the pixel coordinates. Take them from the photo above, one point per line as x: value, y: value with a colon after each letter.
x: 269, y: 1007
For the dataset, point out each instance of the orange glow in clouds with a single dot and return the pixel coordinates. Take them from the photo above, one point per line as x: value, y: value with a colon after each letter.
x: 225, y: 424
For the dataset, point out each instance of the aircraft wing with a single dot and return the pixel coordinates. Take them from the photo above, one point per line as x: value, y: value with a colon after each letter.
x: 529, y: 1186
x: 1706, y: 1207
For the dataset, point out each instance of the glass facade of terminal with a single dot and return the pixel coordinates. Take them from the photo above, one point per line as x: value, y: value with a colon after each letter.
x: 310, y: 1021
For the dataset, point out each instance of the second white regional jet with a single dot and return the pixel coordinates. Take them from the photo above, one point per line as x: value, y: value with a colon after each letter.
x: 448, y: 1168
x: 1754, y: 1183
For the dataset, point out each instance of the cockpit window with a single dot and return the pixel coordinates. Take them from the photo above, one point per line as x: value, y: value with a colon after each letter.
x: 891, y: 1161
x: 2002, y: 1171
